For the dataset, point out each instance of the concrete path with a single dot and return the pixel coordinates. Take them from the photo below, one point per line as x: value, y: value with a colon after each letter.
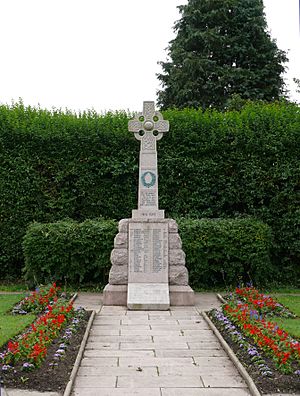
x: 156, y: 353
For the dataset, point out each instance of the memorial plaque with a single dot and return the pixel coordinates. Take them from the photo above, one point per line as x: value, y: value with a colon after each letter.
x: 148, y: 296
x: 148, y: 252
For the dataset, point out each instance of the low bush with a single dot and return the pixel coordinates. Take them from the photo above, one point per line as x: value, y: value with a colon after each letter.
x: 225, y: 251
x: 68, y: 251
x: 219, y: 252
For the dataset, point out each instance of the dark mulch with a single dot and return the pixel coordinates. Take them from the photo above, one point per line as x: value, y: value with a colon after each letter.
x: 47, y: 378
x: 278, y: 383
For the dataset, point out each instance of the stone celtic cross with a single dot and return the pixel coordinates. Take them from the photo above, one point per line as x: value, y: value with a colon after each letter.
x: 148, y: 127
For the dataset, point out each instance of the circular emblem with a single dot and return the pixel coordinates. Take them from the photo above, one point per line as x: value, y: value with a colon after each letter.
x: 148, y: 179
x: 148, y: 125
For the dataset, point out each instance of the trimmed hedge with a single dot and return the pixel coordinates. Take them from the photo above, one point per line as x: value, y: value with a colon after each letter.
x: 219, y: 252
x: 223, y: 252
x: 69, y: 251
x: 56, y: 165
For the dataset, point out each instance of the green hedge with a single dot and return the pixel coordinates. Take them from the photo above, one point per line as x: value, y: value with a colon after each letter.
x: 218, y: 252
x: 224, y: 252
x: 57, y: 164
x: 68, y: 251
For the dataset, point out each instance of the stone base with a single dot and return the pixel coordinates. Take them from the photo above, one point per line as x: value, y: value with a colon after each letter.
x: 179, y: 295
x: 182, y: 295
x: 115, y: 295
x: 148, y: 296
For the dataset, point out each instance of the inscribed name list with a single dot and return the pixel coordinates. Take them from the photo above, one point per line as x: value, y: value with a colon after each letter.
x: 148, y: 252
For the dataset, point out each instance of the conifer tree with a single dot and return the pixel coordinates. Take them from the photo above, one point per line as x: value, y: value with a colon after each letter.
x: 222, y: 49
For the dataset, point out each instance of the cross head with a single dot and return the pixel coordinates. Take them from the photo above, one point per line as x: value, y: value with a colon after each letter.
x: 148, y: 126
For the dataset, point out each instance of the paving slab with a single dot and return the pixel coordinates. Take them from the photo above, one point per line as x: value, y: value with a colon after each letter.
x: 152, y: 345
x: 118, y: 353
x: 117, y: 371
x: 138, y: 331
x: 189, y: 352
x: 196, y: 370
x: 121, y: 338
x: 89, y: 301
x: 102, y: 345
x: 99, y: 331
x: 160, y: 381
x: 205, y: 345
x: 107, y: 320
x: 117, y: 392
x: 230, y: 381
x: 156, y: 353
x: 155, y: 362
x: 102, y: 381
x: 204, y: 392
x: 194, y: 338
x: 103, y: 362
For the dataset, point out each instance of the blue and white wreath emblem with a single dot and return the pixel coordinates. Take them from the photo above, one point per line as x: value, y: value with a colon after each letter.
x: 148, y: 179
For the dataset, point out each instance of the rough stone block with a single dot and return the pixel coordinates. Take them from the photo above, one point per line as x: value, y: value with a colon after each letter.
x: 176, y: 257
x: 123, y: 225
x: 118, y: 275
x: 178, y: 275
x: 173, y: 227
x: 121, y: 240
x: 174, y: 241
x: 119, y: 256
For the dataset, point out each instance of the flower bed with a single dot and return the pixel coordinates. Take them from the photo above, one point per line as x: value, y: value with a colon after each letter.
x: 46, y: 343
x: 268, y: 351
x: 38, y: 300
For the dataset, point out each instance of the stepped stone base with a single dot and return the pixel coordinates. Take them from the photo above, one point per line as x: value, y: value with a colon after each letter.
x: 179, y: 295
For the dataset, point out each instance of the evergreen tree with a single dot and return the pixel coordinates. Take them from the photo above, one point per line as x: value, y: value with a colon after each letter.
x: 222, y: 49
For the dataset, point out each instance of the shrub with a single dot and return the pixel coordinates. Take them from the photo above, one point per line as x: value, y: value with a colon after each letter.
x: 69, y: 251
x: 225, y: 251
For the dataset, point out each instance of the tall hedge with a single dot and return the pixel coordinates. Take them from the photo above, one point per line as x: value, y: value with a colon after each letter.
x: 57, y: 164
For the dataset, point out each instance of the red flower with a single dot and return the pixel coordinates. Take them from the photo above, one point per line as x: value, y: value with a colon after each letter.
x: 13, y: 347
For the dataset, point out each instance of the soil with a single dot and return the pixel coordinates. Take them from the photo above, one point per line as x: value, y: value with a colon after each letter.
x: 47, y: 378
x: 278, y: 383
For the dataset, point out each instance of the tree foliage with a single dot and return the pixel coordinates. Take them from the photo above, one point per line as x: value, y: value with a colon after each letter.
x: 222, y: 48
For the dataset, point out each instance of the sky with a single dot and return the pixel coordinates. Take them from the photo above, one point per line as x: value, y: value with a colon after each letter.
x: 103, y: 54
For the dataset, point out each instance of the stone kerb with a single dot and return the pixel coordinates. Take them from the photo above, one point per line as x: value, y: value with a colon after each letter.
x: 115, y: 293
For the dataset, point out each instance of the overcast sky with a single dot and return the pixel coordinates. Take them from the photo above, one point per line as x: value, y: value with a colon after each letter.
x: 103, y: 54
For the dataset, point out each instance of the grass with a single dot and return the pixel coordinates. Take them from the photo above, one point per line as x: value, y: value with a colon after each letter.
x: 292, y: 326
x: 11, y: 325
x: 13, y: 287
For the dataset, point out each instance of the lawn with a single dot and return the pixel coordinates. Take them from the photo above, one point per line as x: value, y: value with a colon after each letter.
x: 13, y: 287
x: 11, y: 325
x: 292, y: 326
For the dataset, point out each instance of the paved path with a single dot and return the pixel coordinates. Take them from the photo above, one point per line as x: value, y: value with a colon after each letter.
x: 156, y: 353
x: 171, y: 353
